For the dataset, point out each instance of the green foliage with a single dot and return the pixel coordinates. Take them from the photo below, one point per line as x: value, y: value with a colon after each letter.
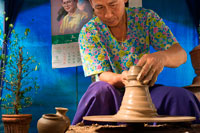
x: 18, y: 74
x: 6, y: 19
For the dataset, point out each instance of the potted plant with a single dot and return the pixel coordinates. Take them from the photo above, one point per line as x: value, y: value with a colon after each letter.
x: 19, y: 83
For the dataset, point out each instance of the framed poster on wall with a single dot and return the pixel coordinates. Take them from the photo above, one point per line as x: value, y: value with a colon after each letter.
x: 67, y: 19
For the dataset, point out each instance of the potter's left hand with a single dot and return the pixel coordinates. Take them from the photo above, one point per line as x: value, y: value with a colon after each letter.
x: 152, y: 65
x: 124, y: 77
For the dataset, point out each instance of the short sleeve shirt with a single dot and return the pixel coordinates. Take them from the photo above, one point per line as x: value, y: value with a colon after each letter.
x: 100, y: 50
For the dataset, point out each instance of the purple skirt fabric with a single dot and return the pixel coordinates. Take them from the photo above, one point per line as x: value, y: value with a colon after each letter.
x: 102, y: 98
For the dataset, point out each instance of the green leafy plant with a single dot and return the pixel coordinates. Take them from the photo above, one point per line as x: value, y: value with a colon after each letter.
x: 19, y: 81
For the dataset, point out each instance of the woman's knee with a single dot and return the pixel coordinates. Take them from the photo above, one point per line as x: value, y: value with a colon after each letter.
x: 179, y: 93
x: 167, y: 91
x: 100, y: 87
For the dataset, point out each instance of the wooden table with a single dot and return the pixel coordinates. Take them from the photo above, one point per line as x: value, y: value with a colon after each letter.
x: 137, y: 128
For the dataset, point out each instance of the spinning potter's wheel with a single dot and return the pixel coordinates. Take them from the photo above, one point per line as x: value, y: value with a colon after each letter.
x: 137, y: 106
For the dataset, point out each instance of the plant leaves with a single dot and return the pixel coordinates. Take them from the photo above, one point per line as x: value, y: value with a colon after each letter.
x: 13, y: 31
x: 26, y: 31
x: 11, y: 25
x: 3, y: 57
x: 6, y: 19
x: 36, y: 68
x: 10, y: 80
x: 4, y: 36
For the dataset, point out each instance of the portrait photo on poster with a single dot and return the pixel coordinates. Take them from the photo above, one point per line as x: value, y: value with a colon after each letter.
x: 69, y: 16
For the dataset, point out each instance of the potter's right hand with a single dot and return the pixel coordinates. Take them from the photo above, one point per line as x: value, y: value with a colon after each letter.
x: 152, y: 65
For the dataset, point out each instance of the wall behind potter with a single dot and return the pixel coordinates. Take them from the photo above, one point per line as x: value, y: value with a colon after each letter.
x: 58, y: 86
x: 1, y: 43
x: 176, y: 14
x: 1, y: 20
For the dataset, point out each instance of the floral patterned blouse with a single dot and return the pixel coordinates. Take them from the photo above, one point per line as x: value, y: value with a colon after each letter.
x: 100, y: 50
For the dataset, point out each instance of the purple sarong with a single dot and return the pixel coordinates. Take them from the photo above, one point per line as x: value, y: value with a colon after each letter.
x: 102, y: 98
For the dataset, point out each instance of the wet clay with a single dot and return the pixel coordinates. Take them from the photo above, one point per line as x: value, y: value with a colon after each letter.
x: 137, y: 100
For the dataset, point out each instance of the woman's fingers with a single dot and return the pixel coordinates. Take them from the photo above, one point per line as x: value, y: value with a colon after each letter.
x: 149, y: 76
x: 124, y: 77
x: 152, y: 65
x: 154, y: 79
x: 155, y: 76
x: 143, y: 62
x: 145, y: 70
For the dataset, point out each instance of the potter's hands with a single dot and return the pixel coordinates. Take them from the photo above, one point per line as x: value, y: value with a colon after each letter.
x: 152, y: 65
x: 124, y: 77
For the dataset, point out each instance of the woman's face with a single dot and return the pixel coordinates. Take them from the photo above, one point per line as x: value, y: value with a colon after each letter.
x: 69, y: 5
x: 110, y: 12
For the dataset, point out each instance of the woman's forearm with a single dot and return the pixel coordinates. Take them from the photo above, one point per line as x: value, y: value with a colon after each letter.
x: 175, y: 56
x: 112, y: 78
